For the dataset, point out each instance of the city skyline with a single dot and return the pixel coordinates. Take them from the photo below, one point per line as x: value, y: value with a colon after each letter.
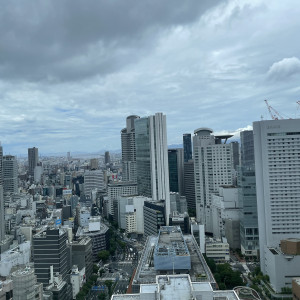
x: 68, y: 80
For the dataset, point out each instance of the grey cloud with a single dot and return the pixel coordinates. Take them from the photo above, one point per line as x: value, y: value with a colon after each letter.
x: 284, y: 68
x: 75, y: 39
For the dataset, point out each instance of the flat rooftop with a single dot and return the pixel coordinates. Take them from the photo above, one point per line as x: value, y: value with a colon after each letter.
x: 146, y: 272
x: 171, y: 242
x: 178, y: 287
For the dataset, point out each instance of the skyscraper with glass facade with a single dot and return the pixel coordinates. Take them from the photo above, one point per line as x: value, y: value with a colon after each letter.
x: 152, y: 158
x: 175, y: 160
x: 187, y: 146
x: 247, y: 196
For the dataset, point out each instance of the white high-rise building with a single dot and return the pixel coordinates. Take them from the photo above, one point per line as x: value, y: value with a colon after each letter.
x: 277, y: 168
x: 213, y: 167
x: 152, y: 159
x: 93, y: 180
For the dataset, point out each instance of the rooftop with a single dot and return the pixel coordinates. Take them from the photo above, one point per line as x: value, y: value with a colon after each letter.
x: 171, y: 242
x: 146, y: 272
x: 178, y: 287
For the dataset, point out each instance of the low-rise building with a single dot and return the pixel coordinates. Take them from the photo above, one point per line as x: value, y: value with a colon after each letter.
x: 177, y: 287
x: 99, y: 234
x: 217, y: 249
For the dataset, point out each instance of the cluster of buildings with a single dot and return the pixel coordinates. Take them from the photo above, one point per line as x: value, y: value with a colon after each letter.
x: 208, y: 197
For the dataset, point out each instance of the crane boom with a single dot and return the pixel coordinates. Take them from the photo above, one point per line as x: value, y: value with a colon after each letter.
x: 273, y: 112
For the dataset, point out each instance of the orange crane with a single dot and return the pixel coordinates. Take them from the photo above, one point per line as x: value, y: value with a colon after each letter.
x: 273, y: 112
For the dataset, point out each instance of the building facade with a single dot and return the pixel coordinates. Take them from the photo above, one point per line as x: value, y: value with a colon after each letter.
x: 50, y: 249
x: 175, y: 161
x: 154, y: 217
x: 277, y: 170
x: 128, y: 150
x: 213, y: 167
x: 25, y: 285
x: 33, y: 160
x: 10, y: 174
x: 247, y: 196
x: 187, y: 146
x: 93, y: 180
x: 189, y: 185
x: 152, y: 158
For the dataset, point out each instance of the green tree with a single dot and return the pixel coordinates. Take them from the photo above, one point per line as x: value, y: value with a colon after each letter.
x: 95, y: 269
x: 109, y: 285
x: 103, y: 255
x: 102, y: 296
x: 211, y: 264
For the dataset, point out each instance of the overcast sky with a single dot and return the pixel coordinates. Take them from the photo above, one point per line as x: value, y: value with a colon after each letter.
x: 71, y: 71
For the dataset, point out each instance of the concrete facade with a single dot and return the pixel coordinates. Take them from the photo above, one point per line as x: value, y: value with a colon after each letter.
x: 277, y: 167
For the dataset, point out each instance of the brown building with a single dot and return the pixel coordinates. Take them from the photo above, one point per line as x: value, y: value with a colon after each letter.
x: 296, y: 288
x: 290, y: 246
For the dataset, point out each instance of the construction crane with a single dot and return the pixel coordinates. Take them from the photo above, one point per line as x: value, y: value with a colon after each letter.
x: 273, y: 112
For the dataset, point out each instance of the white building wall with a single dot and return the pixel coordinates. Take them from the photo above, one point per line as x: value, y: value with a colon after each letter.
x: 277, y: 167
x: 17, y: 256
x: 213, y: 167
x: 159, y: 160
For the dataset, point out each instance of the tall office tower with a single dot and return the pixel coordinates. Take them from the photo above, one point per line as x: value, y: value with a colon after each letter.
x: 33, y: 159
x: 50, y: 249
x: 213, y: 167
x: 175, y: 160
x: 152, y: 158
x: 107, y: 157
x: 187, y: 146
x: 128, y: 150
x: 235, y: 154
x: 2, y: 219
x: 94, y: 165
x: 247, y: 196
x: 93, y: 180
x: 1, y: 165
x: 277, y: 169
x: 10, y: 174
x: 189, y: 186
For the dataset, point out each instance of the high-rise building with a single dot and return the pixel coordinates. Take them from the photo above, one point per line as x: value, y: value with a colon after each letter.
x: 2, y: 219
x: 50, y: 249
x: 247, y: 196
x: 189, y: 186
x: 128, y: 150
x: 187, y: 146
x: 94, y: 165
x: 1, y: 165
x: 175, y: 160
x: 107, y: 157
x: 213, y: 167
x: 277, y: 170
x: 152, y: 158
x: 10, y: 174
x: 93, y: 180
x: 33, y: 159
